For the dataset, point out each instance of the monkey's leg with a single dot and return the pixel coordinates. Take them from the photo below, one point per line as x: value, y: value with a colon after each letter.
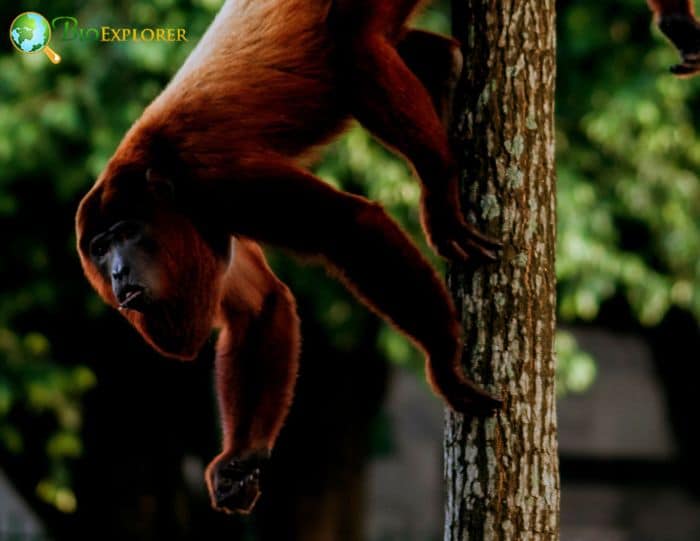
x: 283, y: 205
x: 256, y: 370
x: 676, y: 19
x: 387, y: 17
x: 437, y: 61
x: 390, y: 101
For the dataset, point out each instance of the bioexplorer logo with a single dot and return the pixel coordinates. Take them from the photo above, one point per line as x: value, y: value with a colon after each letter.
x: 30, y: 33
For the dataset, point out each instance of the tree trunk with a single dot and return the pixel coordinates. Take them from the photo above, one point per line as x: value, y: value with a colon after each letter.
x: 502, y: 472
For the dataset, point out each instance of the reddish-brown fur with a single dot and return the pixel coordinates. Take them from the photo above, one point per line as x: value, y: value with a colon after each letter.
x: 676, y: 19
x: 271, y: 80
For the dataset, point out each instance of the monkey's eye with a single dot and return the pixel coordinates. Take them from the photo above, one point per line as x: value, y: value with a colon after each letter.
x: 130, y: 230
x: 127, y: 231
x: 99, y: 248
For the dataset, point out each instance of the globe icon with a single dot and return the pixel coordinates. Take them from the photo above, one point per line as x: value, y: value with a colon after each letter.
x: 30, y: 33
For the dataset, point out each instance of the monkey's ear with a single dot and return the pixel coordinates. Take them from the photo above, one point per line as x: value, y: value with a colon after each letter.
x: 160, y: 185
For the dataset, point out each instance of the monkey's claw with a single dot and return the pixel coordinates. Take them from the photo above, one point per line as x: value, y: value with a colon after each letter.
x: 234, y: 483
x: 461, y: 241
x: 689, y: 67
x: 453, y: 237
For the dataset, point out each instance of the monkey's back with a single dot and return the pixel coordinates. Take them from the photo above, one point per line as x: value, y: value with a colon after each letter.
x: 261, y: 78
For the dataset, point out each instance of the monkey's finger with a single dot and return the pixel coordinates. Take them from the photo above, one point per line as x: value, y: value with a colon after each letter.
x: 481, y: 251
x: 685, y: 69
x: 454, y: 252
x: 477, y: 250
x: 482, y: 238
x: 450, y: 251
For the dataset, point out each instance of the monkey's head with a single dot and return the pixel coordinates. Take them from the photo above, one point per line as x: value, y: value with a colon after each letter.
x: 147, y: 258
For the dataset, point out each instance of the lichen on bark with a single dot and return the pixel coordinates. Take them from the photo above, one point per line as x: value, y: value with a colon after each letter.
x: 502, y: 472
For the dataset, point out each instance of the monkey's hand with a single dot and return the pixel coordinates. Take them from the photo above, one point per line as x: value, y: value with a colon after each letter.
x: 452, y: 236
x: 234, y: 481
x: 684, y: 32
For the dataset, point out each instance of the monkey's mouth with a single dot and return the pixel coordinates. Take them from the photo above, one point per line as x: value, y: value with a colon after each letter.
x: 132, y: 297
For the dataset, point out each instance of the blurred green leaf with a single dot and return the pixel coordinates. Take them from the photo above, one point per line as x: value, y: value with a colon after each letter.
x: 576, y: 369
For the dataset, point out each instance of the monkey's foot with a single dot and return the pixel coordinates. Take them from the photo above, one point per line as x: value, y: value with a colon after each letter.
x: 234, y: 482
x: 684, y: 32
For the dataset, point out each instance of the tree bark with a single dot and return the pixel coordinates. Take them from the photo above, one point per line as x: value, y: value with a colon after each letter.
x: 502, y: 472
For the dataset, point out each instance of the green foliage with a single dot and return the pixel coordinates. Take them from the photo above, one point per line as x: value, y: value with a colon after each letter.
x: 31, y: 382
x: 628, y: 158
x: 576, y: 369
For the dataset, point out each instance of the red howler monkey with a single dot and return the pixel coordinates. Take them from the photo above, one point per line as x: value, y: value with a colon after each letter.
x: 676, y: 19
x: 168, y: 233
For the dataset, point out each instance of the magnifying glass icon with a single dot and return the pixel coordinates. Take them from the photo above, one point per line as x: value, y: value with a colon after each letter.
x: 30, y: 33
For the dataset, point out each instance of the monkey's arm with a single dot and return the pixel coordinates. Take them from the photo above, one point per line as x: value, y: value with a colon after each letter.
x: 276, y: 202
x: 676, y: 19
x: 256, y: 369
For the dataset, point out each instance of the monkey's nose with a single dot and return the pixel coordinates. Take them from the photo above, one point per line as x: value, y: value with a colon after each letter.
x: 120, y: 271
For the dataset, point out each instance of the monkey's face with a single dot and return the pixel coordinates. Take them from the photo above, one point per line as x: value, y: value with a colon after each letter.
x: 146, y: 258
x: 127, y: 256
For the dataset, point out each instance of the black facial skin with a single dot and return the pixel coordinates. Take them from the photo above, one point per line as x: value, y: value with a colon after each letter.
x: 123, y: 253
